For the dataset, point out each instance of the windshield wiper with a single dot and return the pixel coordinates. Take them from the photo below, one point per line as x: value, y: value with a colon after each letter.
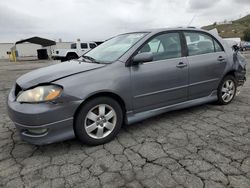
x: 93, y: 60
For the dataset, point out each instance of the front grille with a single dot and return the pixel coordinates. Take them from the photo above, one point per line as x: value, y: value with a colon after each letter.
x: 17, y: 89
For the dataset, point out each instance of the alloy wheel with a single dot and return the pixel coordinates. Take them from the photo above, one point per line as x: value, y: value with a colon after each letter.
x: 228, y: 91
x: 100, y: 121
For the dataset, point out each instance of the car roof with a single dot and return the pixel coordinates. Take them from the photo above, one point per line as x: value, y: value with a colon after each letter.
x: 158, y: 30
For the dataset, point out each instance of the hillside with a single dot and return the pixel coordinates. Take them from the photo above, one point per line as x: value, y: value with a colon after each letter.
x: 235, y: 29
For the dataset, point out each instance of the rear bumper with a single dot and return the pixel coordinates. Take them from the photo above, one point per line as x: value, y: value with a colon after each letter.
x: 240, y: 77
x: 42, y: 123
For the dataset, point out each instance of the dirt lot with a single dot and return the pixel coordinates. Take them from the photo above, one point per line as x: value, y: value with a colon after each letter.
x: 206, y: 146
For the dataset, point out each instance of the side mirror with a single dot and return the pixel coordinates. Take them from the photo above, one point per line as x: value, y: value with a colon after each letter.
x: 142, y: 58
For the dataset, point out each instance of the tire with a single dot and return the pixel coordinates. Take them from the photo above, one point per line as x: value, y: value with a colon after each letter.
x: 64, y: 59
x: 227, y: 90
x: 71, y: 56
x: 89, y: 118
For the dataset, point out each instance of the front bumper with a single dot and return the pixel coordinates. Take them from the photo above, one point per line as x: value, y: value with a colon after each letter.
x: 55, y: 132
x: 56, y: 119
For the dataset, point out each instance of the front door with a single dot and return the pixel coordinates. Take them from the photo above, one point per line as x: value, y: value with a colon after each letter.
x: 164, y: 81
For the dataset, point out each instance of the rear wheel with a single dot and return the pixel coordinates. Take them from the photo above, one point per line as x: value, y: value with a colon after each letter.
x: 227, y: 90
x: 71, y: 56
x: 98, y: 121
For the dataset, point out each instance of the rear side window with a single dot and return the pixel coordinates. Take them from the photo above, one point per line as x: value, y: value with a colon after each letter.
x: 73, y: 46
x: 92, y: 45
x: 199, y: 43
x: 84, y: 45
x: 217, y: 47
x: 164, y: 46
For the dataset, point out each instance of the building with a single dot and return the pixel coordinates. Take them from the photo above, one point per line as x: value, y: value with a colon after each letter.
x: 224, y: 23
x: 29, y: 49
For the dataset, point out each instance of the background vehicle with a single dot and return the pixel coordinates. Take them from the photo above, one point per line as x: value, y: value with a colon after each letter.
x: 126, y: 79
x: 246, y: 46
x: 77, y: 49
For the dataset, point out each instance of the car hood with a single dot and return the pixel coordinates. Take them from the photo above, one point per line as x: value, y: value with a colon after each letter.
x: 55, y: 72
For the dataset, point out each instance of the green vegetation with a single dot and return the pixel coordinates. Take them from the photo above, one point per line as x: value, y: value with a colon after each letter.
x: 238, y: 28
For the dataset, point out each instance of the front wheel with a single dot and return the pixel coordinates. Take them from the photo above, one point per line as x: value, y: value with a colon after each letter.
x: 98, y: 121
x: 227, y: 90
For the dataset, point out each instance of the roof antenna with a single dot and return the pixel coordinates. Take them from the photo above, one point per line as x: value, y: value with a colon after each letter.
x: 191, y: 20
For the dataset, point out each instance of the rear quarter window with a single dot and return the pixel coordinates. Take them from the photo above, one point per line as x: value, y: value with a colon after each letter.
x: 92, y: 45
x: 217, y: 46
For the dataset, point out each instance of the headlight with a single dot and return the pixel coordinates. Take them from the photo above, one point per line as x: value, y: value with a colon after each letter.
x: 40, y: 94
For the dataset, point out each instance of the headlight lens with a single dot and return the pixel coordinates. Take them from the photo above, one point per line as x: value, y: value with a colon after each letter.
x: 40, y: 94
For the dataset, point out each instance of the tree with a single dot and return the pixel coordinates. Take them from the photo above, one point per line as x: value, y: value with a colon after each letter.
x: 246, y: 36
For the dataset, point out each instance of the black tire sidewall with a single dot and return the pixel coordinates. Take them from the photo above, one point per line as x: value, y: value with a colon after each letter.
x: 80, y: 131
x: 71, y: 57
x: 219, y: 94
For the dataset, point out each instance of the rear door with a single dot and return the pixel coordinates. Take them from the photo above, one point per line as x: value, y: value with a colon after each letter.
x: 164, y: 81
x: 207, y: 60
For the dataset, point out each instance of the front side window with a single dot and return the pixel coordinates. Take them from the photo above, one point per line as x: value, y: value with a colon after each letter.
x: 114, y: 48
x: 84, y: 45
x: 164, y: 46
x: 199, y: 43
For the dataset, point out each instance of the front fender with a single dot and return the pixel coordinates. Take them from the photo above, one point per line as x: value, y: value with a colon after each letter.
x: 113, y: 78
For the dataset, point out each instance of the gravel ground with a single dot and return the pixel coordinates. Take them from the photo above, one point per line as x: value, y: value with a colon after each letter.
x: 206, y: 146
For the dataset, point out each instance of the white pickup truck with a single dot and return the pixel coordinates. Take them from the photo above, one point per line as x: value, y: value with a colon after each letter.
x: 77, y: 49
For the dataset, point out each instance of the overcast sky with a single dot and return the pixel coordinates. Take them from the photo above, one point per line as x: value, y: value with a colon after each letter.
x: 100, y: 19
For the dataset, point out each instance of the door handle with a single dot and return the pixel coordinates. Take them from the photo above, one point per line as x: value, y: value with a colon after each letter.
x: 181, y: 65
x: 220, y: 58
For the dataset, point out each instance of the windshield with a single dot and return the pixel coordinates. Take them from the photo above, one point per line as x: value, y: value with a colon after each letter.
x: 114, y: 48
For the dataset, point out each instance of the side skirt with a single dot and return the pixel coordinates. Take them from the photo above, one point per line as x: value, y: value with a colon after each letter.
x: 133, y: 118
